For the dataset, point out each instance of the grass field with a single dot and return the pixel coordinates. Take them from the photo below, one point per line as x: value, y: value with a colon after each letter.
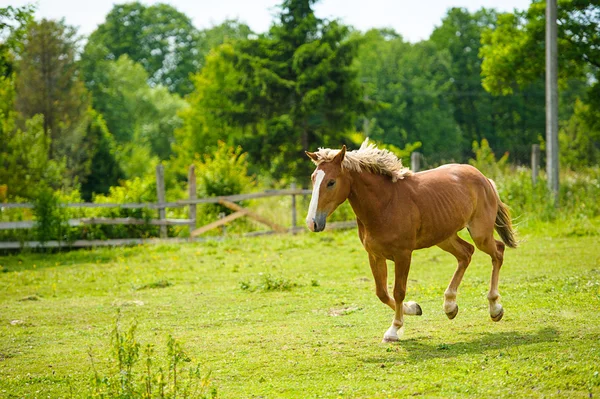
x: 319, y: 334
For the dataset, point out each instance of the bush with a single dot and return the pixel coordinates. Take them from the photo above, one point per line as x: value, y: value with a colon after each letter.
x: 51, y: 217
x: 223, y: 173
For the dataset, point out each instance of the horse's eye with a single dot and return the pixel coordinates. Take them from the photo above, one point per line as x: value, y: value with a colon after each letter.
x: 331, y: 183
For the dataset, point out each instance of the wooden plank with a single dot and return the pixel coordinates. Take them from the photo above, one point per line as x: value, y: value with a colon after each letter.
x: 250, y: 214
x: 153, y: 222
x: 17, y: 225
x: 160, y: 194
x: 219, y: 222
x: 114, y: 221
x: 100, y: 243
x: 178, y: 204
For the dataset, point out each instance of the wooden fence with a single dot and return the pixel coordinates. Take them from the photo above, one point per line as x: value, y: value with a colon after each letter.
x: 162, y: 221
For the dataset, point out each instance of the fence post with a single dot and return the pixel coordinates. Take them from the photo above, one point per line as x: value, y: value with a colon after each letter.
x: 535, y: 162
x: 293, y: 187
x: 193, y: 215
x: 415, y: 161
x: 160, y: 194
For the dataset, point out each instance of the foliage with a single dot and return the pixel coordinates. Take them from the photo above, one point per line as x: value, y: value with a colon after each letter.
x: 24, y: 161
x: 136, y: 190
x: 51, y: 218
x: 104, y: 170
x: 223, y: 173
x: 293, y: 89
x: 130, y: 379
x: 228, y: 31
x: 513, y: 53
x: 485, y: 160
x: 159, y: 37
x: 13, y: 22
x: 47, y: 83
x: 411, y: 81
x: 511, y: 122
x: 579, y: 138
x: 135, y: 112
x: 268, y: 283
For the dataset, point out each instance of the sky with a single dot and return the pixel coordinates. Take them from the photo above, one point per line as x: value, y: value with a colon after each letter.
x: 413, y: 19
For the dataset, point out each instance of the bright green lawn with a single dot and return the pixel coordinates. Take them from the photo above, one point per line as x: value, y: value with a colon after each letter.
x: 320, y: 339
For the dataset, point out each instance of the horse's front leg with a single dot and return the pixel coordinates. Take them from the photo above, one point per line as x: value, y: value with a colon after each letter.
x: 402, y: 266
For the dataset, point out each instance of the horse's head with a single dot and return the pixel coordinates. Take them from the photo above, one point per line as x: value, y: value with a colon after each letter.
x: 331, y: 187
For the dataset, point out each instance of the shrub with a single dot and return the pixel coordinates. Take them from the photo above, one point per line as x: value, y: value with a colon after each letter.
x: 51, y: 217
x: 223, y: 173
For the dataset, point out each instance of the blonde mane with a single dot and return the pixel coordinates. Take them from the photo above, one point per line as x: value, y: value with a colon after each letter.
x: 368, y: 157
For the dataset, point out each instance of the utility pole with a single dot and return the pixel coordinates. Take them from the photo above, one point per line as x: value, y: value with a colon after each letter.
x: 552, y: 99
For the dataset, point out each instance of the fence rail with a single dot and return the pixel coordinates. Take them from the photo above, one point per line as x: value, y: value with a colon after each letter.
x: 229, y: 201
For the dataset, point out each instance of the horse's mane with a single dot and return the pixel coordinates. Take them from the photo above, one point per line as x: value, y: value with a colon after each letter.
x: 368, y: 157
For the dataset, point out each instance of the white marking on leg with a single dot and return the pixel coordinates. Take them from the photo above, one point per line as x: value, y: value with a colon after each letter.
x: 449, y: 301
x: 411, y: 308
x: 314, y: 201
x: 394, y: 332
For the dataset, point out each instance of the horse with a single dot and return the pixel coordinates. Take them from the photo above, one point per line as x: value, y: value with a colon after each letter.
x: 398, y: 211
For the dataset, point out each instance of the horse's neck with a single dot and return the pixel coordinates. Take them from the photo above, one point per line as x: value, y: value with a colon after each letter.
x: 369, y: 195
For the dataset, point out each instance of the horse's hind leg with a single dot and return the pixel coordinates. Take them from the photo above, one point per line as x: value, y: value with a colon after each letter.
x: 463, y: 251
x: 495, y: 249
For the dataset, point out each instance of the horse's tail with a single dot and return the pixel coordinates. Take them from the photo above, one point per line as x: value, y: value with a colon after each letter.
x: 503, y: 223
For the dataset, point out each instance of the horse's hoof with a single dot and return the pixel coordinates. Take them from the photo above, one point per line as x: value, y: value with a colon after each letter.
x: 419, y: 311
x: 388, y: 339
x: 498, y: 317
x: 453, y: 313
x: 412, y: 308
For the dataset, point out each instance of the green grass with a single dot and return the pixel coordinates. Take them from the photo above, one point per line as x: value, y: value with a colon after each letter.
x: 296, y: 316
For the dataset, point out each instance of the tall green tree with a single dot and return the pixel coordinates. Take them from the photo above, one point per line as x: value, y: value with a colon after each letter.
x: 159, y: 37
x: 510, y: 122
x: 13, y: 23
x: 228, y: 31
x: 513, y: 57
x: 292, y: 89
x: 410, y: 84
x: 136, y: 113
x: 47, y: 83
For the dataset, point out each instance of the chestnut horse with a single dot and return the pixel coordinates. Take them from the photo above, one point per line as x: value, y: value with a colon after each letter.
x: 398, y: 211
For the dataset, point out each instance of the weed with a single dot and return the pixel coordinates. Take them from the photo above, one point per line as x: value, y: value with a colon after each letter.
x: 268, y: 283
x: 156, y: 284
x: 130, y: 380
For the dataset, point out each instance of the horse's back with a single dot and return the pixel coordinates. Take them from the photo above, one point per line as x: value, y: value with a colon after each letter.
x: 448, y: 198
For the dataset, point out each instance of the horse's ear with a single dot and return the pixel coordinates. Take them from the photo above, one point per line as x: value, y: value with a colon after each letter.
x: 312, y: 156
x: 340, y: 155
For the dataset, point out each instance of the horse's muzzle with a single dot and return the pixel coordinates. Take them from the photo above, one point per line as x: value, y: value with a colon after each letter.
x: 317, y: 223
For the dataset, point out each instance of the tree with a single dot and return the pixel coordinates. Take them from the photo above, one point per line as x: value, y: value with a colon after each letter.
x: 104, y: 169
x: 135, y: 112
x: 510, y: 122
x: 229, y: 31
x: 160, y: 38
x: 13, y: 22
x: 292, y: 89
x: 24, y: 162
x: 513, y: 56
x: 410, y: 82
x: 47, y: 83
